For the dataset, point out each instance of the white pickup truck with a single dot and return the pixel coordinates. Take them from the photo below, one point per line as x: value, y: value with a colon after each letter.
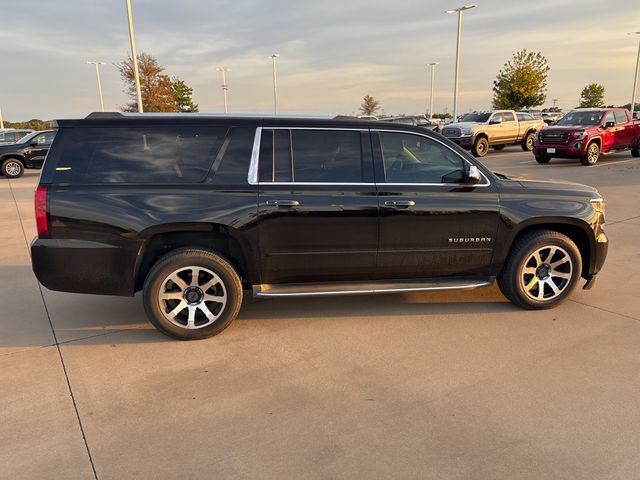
x: 477, y: 131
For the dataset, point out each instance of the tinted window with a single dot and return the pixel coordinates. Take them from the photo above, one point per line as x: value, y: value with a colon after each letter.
x: 275, y: 156
x: 326, y: 156
x: 609, y: 117
x: 621, y: 117
x: 524, y: 117
x: 497, y: 117
x: 44, y: 138
x: 507, y: 117
x: 232, y: 162
x: 476, y: 117
x: 416, y: 159
x: 163, y: 154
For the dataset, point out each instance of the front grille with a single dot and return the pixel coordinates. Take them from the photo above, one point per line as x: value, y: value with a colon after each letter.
x: 452, y: 132
x: 554, y: 137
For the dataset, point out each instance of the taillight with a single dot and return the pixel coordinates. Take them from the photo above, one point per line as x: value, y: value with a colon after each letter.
x: 42, y: 222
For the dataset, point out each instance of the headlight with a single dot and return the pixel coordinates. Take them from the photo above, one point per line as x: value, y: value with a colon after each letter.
x: 579, y: 135
x: 598, y: 205
x: 466, y: 131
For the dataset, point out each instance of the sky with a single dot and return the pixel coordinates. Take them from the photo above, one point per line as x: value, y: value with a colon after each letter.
x: 332, y: 53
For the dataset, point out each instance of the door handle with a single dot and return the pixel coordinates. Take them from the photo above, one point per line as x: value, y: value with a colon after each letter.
x: 283, y: 203
x: 400, y: 203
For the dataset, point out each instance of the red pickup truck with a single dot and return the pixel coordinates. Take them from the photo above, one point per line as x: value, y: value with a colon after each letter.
x: 587, y: 133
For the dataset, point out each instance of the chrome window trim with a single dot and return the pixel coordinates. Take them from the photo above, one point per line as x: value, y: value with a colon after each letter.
x: 252, y: 176
x: 487, y: 181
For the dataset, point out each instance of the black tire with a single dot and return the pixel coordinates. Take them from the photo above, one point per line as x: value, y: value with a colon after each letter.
x: 497, y: 148
x: 528, y: 141
x: 592, y: 155
x: 543, y: 159
x: 635, y: 150
x: 12, y: 168
x: 178, y: 264
x: 480, y: 147
x: 522, y: 288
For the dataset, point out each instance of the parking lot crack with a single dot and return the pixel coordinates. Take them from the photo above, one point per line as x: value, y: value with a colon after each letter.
x: 606, y: 310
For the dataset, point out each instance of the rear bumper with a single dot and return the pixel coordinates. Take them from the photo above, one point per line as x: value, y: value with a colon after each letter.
x: 81, y: 266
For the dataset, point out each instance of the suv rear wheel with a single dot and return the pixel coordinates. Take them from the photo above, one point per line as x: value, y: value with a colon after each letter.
x: 635, y: 150
x: 543, y: 158
x: 542, y: 269
x: 12, y: 168
x: 480, y: 147
x: 191, y: 294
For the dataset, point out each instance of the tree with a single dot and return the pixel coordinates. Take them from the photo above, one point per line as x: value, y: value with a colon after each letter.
x: 592, y: 96
x: 369, y: 105
x: 156, y: 87
x: 522, y: 82
x: 182, y: 93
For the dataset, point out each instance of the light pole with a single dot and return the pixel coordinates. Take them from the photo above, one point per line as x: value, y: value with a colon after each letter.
x: 225, y: 87
x: 635, y: 77
x: 275, y: 82
x: 134, y: 55
x: 455, y: 83
x: 97, y: 64
x: 1, y: 120
x: 433, y: 76
x: 555, y: 102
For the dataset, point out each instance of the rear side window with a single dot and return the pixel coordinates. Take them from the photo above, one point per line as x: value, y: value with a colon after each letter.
x: 311, y: 156
x: 507, y: 117
x: 621, y: 117
x: 144, y: 155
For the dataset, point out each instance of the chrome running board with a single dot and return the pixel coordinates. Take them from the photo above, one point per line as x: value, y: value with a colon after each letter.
x: 368, y: 287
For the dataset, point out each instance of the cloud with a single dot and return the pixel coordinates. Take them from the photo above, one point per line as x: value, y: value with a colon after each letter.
x: 332, y: 52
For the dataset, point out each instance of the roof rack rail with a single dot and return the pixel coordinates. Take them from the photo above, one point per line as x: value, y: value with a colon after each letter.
x: 104, y: 115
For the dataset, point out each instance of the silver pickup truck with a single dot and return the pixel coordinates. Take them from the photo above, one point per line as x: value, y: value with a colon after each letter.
x: 477, y: 131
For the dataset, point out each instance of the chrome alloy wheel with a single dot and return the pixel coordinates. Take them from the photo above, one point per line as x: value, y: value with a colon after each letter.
x: 593, y: 153
x: 192, y: 297
x: 546, y: 273
x: 13, y: 168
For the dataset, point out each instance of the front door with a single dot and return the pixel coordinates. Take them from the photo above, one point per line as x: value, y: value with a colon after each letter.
x: 317, y: 205
x: 509, y: 127
x: 431, y: 223
x: 40, y: 144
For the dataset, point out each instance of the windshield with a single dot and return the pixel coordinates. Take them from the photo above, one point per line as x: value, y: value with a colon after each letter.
x: 581, y: 118
x: 476, y: 117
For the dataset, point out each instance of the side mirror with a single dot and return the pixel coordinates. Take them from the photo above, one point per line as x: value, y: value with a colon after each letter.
x: 609, y: 124
x: 495, y: 121
x: 34, y: 143
x: 473, y: 175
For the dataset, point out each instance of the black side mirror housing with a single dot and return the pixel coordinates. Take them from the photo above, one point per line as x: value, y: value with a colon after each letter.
x: 609, y: 124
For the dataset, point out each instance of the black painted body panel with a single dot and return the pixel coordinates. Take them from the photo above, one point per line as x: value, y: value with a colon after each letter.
x: 99, y: 233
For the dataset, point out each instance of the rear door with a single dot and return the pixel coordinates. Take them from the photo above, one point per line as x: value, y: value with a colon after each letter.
x: 317, y: 205
x: 34, y: 155
x: 431, y: 223
x: 624, y: 134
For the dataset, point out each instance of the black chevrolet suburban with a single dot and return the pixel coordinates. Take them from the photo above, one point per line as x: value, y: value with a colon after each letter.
x: 195, y: 209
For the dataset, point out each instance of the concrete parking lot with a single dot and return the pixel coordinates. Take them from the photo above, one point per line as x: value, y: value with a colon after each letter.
x: 458, y: 385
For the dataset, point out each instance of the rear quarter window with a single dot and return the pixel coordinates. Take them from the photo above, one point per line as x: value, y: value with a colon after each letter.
x: 138, y: 154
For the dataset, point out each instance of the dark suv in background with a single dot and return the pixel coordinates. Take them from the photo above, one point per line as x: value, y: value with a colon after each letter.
x: 28, y: 152
x: 194, y: 209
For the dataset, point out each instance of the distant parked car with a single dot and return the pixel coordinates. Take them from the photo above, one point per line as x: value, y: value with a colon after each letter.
x: 551, y: 118
x: 28, y: 152
x: 588, y: 133
x: 417, y: 121
x: 12, y: 135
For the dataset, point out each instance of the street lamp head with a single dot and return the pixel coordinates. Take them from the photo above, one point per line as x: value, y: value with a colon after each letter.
x: 633, y: 33
x: 97, y: 63
x: 461, y: 9
x: 223, y: 69
x: 274, y: 56
x: 433, y: 64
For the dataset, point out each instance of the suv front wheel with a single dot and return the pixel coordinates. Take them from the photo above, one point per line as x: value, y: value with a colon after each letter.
x: 192, y: 293
x: 542, y: 269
